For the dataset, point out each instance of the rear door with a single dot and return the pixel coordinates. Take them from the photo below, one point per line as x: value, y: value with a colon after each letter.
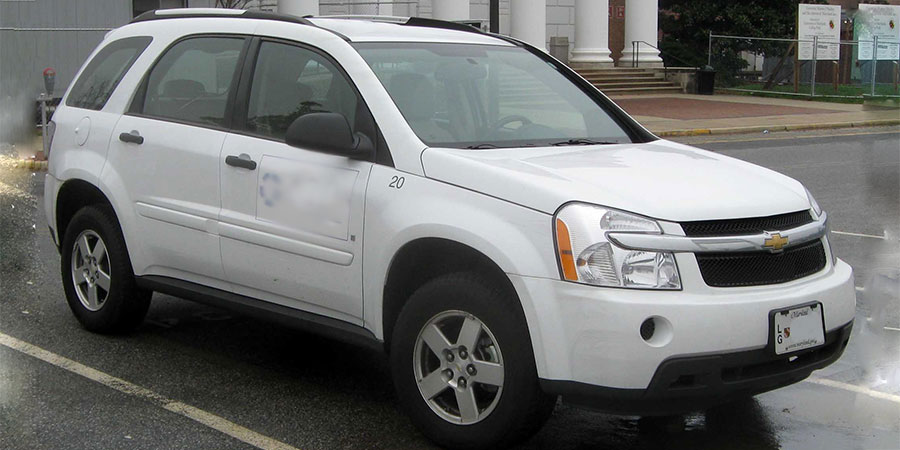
x: 166, y: 150
x: 291, y: 220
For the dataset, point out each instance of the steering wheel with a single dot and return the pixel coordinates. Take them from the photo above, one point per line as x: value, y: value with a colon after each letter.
x: 504, y: 121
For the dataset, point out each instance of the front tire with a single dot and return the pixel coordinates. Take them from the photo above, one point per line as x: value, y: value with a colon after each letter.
x: 97, y: 275
x: 463, y: 366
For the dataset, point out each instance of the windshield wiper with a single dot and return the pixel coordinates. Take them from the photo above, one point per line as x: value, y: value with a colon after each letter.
x: 583, y: 141
x: 481, y: 146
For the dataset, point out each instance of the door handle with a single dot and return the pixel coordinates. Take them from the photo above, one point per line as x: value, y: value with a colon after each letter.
x: 132, y: 138
x: 243, y: 161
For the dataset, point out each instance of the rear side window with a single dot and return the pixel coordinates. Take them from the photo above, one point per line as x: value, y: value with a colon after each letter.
x: 101, y: 76
x: 191, y: 83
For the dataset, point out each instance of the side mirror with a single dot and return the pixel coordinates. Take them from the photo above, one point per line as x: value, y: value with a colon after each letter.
x: 328, y: 133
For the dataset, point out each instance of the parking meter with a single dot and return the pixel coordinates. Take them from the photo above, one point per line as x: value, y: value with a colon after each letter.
x: 44, y: 99
x: 49, y: 80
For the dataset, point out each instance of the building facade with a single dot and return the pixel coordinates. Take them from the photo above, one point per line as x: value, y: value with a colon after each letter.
x: 36, y: 34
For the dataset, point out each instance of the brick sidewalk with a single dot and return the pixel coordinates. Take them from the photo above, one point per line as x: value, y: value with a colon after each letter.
x: 684, y: 114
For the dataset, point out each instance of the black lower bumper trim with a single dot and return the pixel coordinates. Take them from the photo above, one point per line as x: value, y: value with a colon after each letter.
x: 693, y: 383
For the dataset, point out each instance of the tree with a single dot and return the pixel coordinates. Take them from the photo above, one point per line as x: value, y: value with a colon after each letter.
x: 687, y: 24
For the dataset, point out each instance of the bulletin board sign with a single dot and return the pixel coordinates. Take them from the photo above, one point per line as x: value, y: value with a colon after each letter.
x: 821, y: 22
x: 882, y: 21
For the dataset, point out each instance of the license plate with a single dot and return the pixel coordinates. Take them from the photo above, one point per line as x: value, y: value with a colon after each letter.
x: 798, y: 328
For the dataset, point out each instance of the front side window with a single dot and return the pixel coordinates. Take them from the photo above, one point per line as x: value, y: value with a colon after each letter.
x: 464, y: 95
x: 101, y: 76
x: 192, y: 81
x: 290, y: 81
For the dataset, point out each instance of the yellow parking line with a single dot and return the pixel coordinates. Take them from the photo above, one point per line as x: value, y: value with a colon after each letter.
x: 196, y: 414
x: 854, y: 388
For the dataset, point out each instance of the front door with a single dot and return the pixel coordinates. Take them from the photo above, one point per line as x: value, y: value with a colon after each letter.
x: 292, y: 219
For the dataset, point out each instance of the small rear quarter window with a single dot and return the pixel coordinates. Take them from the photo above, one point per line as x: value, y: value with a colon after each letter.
x: 101, y: 76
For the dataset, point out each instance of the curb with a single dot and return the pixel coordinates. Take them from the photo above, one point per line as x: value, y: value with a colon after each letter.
x: 31, y: 164
x: 799, y: 127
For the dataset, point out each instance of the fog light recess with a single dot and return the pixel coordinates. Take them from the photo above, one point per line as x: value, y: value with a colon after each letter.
x: 648, y: 328
x: 656, y: 331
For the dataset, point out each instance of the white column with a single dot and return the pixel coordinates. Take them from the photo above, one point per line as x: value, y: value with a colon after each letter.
x: 591, y: 34
x: 299, y: 7
x: 528, y: 21
x: 641, y: 17
x: 450, y: 9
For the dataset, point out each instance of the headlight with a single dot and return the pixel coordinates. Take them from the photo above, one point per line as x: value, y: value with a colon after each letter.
x: 586, y: 255
x: 815, y: 206
x: 817, y: 210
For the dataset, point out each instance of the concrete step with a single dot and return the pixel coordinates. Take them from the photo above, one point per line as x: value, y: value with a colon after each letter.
x: 616, y: 69
x: 634, y: 84
x: 640, y: 91
x: 596, y: 79
x: 616, y: 73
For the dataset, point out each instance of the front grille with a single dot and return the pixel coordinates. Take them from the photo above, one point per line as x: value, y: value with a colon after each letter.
x: 759, y: 268
x: 753, y: 225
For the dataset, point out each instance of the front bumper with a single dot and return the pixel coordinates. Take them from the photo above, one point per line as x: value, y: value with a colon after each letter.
x: 692, y: 383
x: 590, y: 336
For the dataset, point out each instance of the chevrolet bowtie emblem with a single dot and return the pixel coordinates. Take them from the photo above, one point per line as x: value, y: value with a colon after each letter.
x: 774, y: 242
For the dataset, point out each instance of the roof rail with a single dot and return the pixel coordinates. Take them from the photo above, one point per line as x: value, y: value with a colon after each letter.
x: 443, y: 24
x: 188, y: 13
x: 400, y: 20
x: 411, y: 21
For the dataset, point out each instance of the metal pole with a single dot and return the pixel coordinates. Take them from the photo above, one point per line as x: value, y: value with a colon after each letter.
x: 874, y: 61
x: 812, y: 83
x: 709, y: 51
x: 633, y: 54
x: 495, y: 16
x: 45, y: 142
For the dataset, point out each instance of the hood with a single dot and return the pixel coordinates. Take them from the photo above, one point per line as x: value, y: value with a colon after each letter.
x: 659, y: 179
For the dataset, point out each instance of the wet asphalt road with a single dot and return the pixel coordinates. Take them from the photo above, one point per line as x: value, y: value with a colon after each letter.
x: 317, y: 394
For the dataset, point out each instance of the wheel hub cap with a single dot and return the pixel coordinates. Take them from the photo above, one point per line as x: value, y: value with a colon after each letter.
x: 90, y: 270
x: 461, y: 381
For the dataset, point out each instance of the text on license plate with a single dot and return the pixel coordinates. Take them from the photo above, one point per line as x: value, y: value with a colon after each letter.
x: 798, y: 329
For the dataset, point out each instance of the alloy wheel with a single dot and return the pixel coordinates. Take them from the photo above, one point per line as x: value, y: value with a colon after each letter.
x: 460, y: 380
x: 91, y: 270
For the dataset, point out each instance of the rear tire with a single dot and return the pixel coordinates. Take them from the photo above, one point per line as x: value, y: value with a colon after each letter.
x: 496, y: 374
x: 97, y: 275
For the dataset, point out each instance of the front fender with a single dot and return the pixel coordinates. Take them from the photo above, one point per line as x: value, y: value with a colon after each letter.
x: 519, y: 240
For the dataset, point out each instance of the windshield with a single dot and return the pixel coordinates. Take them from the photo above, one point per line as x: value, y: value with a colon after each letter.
x: 483, y: 96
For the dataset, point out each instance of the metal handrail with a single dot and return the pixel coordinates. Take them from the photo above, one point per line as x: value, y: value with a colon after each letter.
x: 636, y: 45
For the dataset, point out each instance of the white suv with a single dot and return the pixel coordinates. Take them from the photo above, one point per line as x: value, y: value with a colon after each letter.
x: 458, y: 199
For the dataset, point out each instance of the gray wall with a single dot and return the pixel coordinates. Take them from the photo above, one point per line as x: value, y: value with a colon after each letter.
x: 36, y: 34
